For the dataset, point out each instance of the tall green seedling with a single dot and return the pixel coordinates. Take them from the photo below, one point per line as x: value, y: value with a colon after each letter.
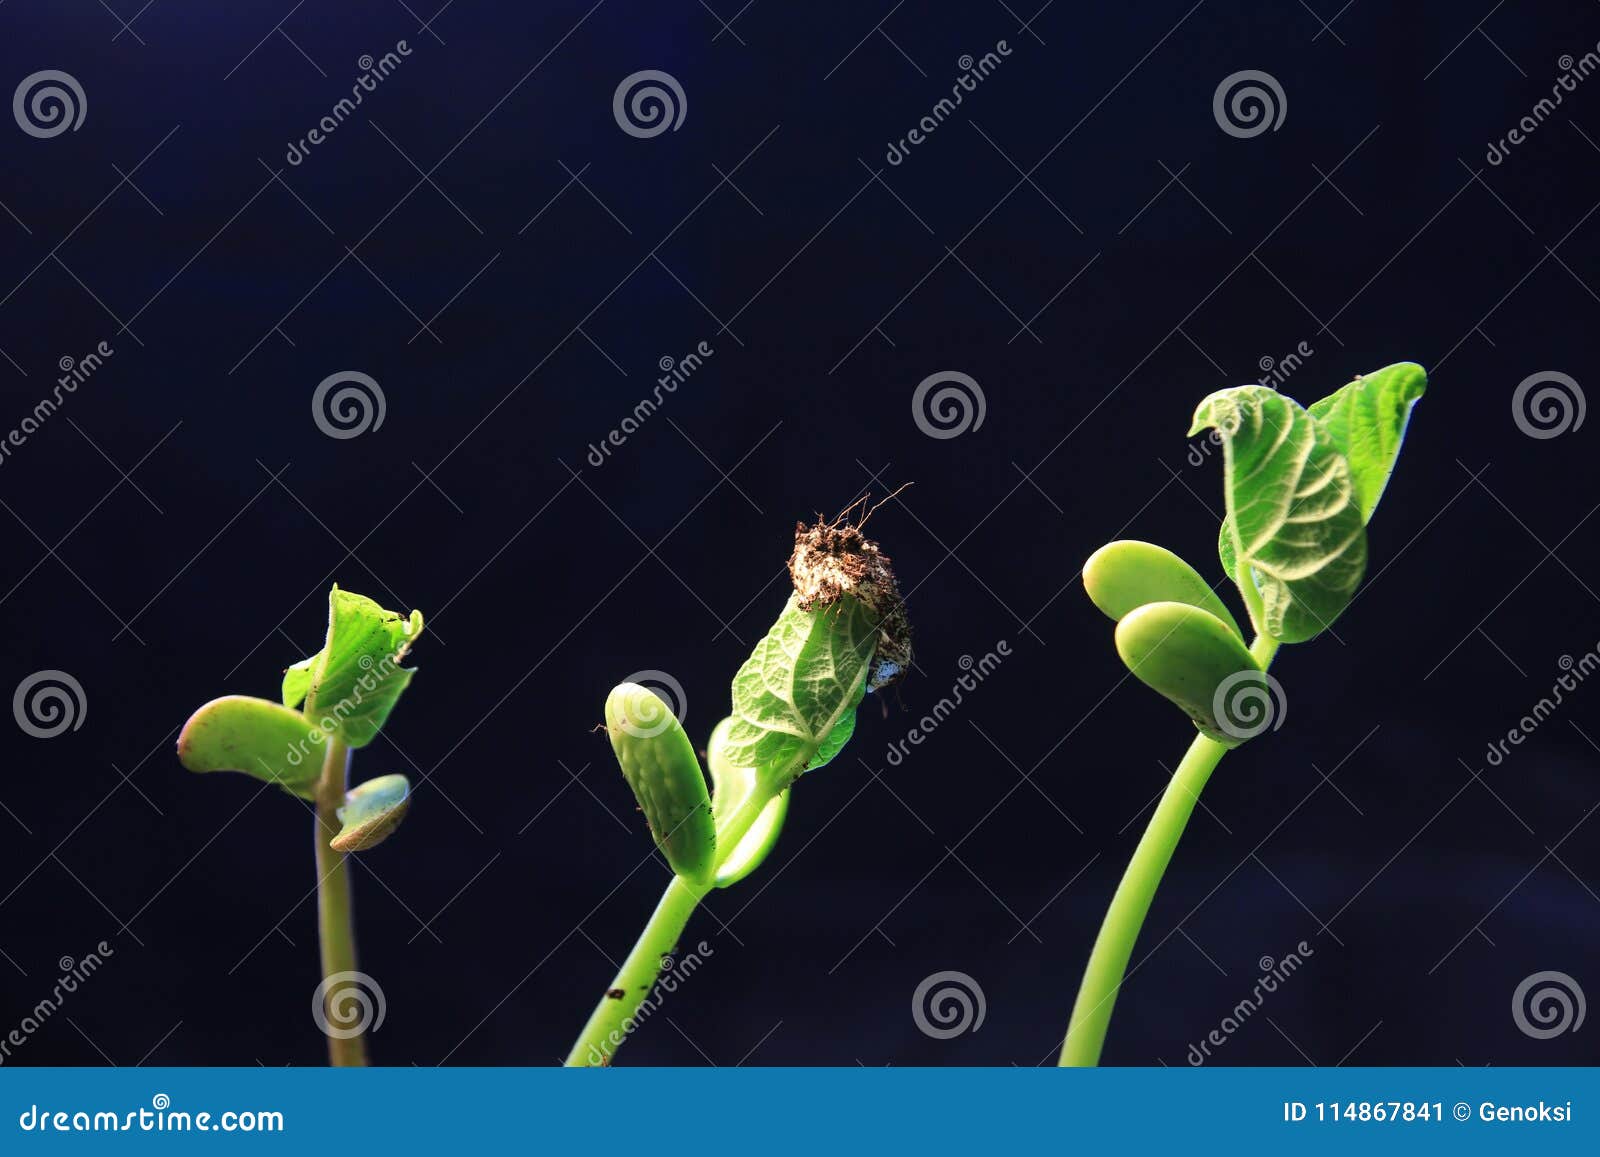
x: 842, y: 632
x: 331, y: 704
x: 1299, y: 486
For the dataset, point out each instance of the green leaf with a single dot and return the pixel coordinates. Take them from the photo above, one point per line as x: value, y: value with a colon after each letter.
x: 757, y: 843
x: 660, y: 766
x: 1194, y: 659
x: 257, y: 737
x: 795, y: 698
x: 350, y: 686
x: 732, y: 786
x: 1230, y: 561
x: 297, y: 680
x: 371, y: 813
x: 1123, y: 576
x: 1292, y: 509
x: 1366, y: 421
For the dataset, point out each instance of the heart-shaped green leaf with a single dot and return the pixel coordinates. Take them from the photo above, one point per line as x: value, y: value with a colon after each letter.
x: 1188, y: 654
x: 350, y: 686
x: 660, y: 766
x: 795, y: 698
x: 1123, y: 576
x: 1292, y: 509
x: 732, y: 786
x: 1366, y: 421
x: 371, y: 812
x: 257, y: 737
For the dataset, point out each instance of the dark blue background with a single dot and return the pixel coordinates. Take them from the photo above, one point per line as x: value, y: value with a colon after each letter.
x: 1154, y: 258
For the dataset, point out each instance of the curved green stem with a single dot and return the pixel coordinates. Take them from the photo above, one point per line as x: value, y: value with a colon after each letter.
x: 616, y: 1016
x: 1113, y: 947
x: 335, y: 919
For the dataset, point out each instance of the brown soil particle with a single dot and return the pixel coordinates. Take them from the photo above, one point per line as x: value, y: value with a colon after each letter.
x: 835, y: 560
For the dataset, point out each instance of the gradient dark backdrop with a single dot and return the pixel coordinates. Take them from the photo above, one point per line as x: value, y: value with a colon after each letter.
x: 1426, y: 894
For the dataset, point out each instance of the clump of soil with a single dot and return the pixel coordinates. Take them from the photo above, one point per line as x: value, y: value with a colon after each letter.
x: 834, y: 560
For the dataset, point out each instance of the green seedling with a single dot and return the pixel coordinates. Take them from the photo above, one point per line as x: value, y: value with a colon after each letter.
x: 1299, y: 486
x: 333, y: 702
x: 842, y: 633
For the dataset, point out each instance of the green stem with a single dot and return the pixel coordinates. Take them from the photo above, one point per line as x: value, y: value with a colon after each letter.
x: 335, y: 919
x: 614, y: 1018
x: 1113, y: 947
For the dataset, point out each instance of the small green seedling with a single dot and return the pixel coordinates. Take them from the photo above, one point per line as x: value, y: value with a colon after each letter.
x: 842, y: 633
x: 334, y: 701
x: 1299, y: 486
